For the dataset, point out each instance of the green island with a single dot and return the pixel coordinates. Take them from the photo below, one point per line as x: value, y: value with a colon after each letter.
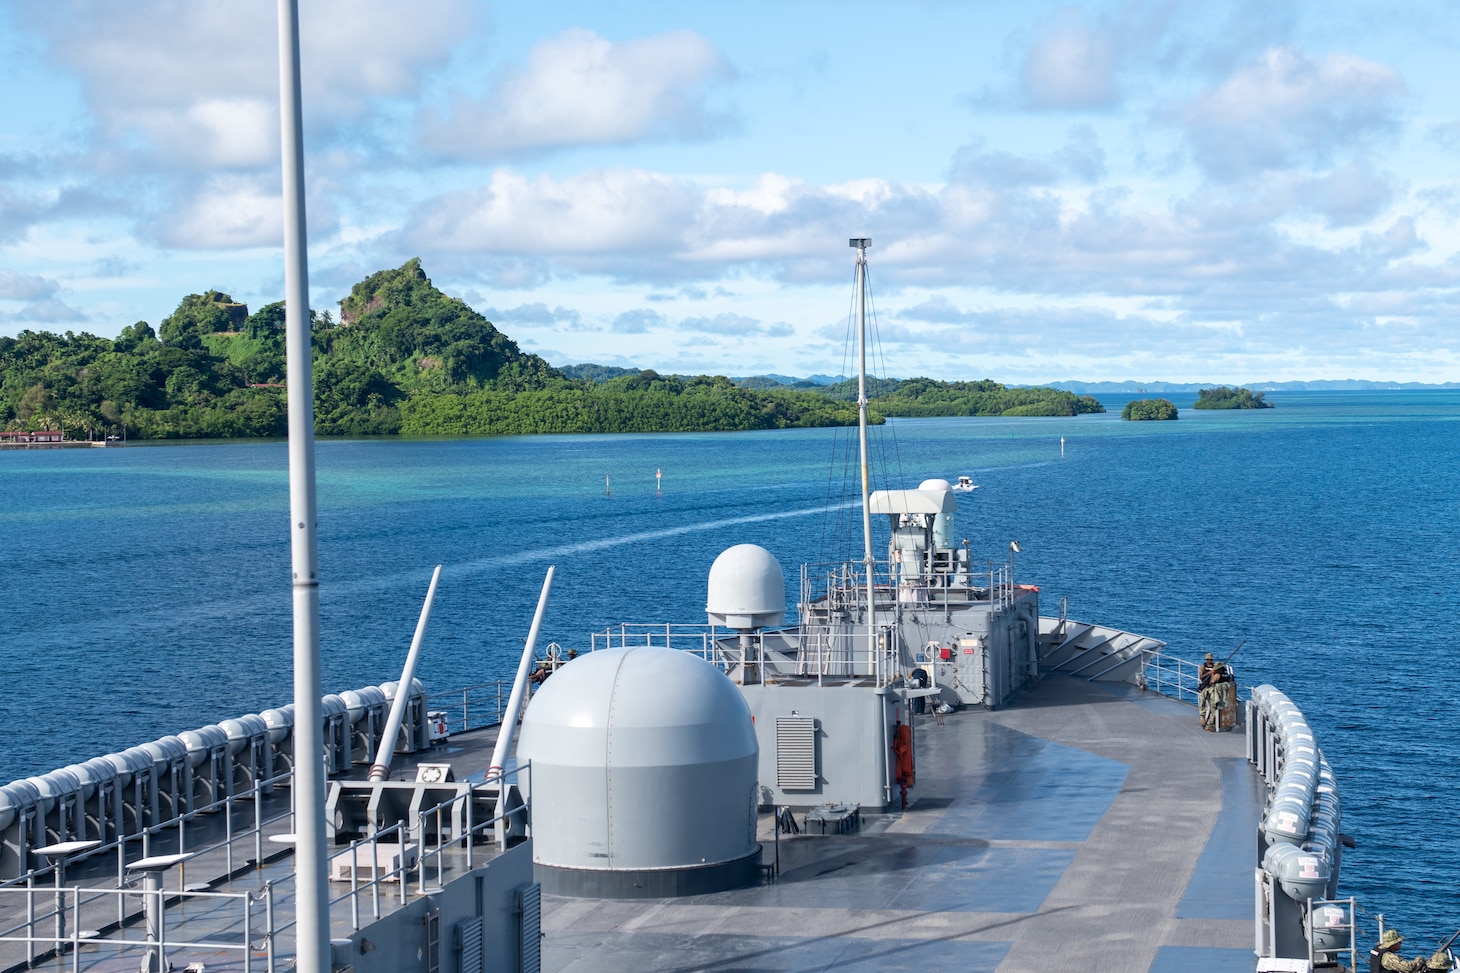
x: 1223, y: 397
x: 917, y: 397
x: 404, y: 358
x: 1141, y: 410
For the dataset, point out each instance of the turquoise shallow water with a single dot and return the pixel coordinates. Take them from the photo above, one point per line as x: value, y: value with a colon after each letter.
x: 146, y: 588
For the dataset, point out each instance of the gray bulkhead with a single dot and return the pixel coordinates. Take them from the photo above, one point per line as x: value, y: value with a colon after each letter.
x: 824, y: 744
x: 826, y: 697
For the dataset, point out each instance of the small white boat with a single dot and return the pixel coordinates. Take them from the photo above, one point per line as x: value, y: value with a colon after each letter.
x: 965, y: 484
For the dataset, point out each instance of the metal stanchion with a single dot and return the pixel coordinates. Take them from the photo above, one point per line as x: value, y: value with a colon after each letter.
x: 153, y: 906
x: 59, y: 854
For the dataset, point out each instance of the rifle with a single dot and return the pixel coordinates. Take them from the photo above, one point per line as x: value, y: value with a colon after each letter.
x: 1446, y: 944
x: 1234, y: 651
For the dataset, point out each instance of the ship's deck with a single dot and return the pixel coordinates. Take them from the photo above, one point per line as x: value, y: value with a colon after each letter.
x: 1085, y: 828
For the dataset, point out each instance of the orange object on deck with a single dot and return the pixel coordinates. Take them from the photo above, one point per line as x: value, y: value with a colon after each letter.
x: 903, y: 749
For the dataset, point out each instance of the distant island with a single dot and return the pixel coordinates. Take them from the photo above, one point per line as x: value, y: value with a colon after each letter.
x: 1224, y: 397
x: 908, y: 397
x: 405, y: 358
x: 1317, y: 385
x: 1140, y: 410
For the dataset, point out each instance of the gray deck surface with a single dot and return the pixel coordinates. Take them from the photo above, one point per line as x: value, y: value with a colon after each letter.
x: 1082, y: 829
x: 1085, y: 828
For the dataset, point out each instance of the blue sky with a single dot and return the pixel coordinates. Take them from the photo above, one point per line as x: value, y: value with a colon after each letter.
x: 1152, y: 190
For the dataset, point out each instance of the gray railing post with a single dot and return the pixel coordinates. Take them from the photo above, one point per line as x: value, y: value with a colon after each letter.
x: 269, y: 924
x: 75, y: 930
x: 30, y: 919
x: 258, y: 824
x: 228, y: 833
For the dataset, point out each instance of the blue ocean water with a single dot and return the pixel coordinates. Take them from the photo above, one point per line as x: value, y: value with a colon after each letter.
x: 147, y: 588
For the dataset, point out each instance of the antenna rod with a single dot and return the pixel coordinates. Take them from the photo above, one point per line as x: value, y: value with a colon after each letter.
x: 380, y: 770
x: 311, y: 894
x: 862, y: 243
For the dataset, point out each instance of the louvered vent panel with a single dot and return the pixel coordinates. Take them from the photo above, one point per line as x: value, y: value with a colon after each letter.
x: 529, y: 905
x: 796, y: 753
x: 469, y: 935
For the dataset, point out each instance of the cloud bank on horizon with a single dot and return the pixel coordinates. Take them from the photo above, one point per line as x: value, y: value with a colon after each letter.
x: 1155, y: 189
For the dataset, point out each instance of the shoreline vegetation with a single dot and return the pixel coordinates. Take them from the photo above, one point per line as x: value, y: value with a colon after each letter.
x: 1224, y: 397
x: 404, y: 358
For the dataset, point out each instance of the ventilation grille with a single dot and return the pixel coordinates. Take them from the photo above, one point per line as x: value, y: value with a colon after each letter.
x: 529, y: 905
x: 469, y: 937
x: 796, y: 753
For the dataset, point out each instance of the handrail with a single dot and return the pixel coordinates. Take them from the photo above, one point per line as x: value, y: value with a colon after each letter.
x: 489, y: 698
x: 64, y: 918
x: 417, y: 836
x: 179, y: 823
x: 70, y: 931
x: 1170, y: 675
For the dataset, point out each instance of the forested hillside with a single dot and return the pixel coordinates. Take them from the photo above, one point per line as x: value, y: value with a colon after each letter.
x: 913, y: 397
x: 403, y: 357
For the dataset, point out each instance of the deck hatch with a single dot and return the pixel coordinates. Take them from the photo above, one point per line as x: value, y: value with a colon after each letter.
x: 529, y: 907
x: 796, y: 753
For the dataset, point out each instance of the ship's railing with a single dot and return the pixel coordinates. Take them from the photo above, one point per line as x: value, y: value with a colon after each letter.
x: 823, y: 654
x: 1170, y: 675
x: 60, y: 921
x: 401, y: 835
x: 818, y: 654
x: 701, y: 640
x: 172, y: 837
x: 472, y: 707
x: 843, y: 587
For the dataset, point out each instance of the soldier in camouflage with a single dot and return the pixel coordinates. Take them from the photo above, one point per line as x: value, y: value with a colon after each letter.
x: 1385, y: 956
x: 1208, y: 691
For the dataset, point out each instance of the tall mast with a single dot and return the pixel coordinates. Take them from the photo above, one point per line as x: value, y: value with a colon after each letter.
x: 868, y: 562
x: 311, y: 892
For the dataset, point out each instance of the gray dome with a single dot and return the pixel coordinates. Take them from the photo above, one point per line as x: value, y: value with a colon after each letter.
x: 644, y: 763
x: 936, y: 484
x: 747, y: 588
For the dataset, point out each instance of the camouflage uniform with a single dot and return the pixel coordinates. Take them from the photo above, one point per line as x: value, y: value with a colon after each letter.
x: 1207, y: 693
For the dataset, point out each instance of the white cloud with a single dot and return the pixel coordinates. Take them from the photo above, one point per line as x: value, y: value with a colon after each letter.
x: 19, y: 212
x: 1221, y: 245
x: 1400, y: 240
x: 26, y: 287
x: 1071, y: 65
x: 579, y: 89
x: 537, y: 313
x: 225, y: 212
x: 1352, y: 194
x: 726, y: 323
x: 605, y: 211
x: 1285, y: 109
x: 50, y: 311
x: 638, y: 321
x: 179, y: 83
